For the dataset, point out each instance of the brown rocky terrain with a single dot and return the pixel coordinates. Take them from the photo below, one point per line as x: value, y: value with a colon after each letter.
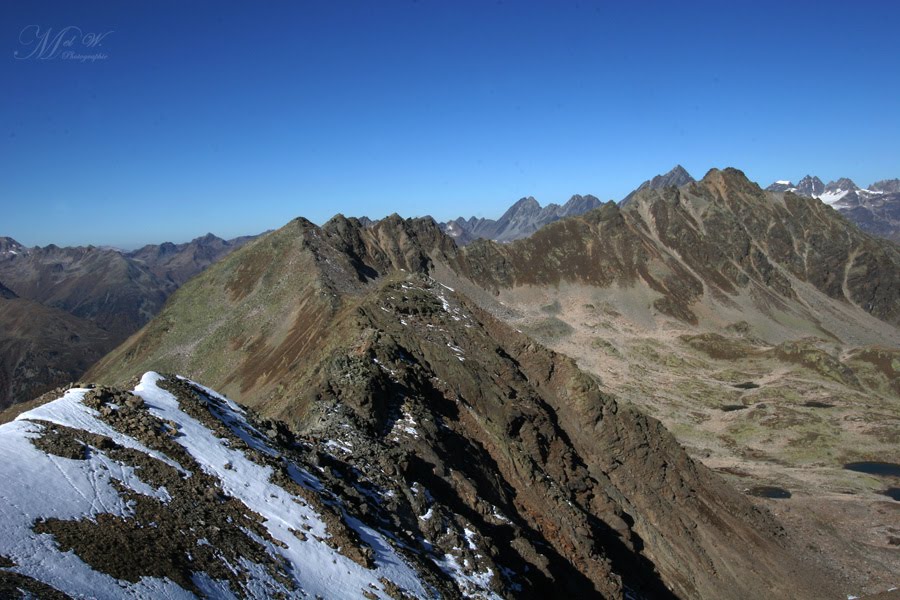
x: 687, y: 295
x: 76, y: 304
x: 41, y: 347
x: 759, y: 327
x: 97, y: 284
x: 332, y: 331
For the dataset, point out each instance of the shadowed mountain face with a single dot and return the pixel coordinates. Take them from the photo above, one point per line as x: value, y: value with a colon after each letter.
x: 878, y: 215
x: 888, y: 186
x: 42, y: 347
x: 6, y: 293
x: 79, y: 303
x: 810, y: 186
x: 347, y: 333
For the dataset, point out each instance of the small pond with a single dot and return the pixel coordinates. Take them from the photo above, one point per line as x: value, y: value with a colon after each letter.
x: 893, y: 493
x: 769, y: 491
x: 747, y: 385
x: 883, y: 469
x: 817, y: 404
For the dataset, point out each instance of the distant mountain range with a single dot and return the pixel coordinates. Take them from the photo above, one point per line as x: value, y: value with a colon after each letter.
x: 677, y: 177
x: 521, y: 220
x: 417, y: 439
x: 527, y: 216
x: 179, y: 262
x: 66, y: 307
x: 391, y: 355
x: 396, y: 353
x: 875, y: 209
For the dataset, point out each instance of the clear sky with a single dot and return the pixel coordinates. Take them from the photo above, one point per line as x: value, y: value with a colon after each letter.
x: 236, y: 117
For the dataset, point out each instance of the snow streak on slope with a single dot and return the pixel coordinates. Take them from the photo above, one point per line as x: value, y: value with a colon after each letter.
x: 39, y: 486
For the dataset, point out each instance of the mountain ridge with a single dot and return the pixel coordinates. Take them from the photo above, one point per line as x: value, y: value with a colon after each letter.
x: 661, y: 227
x: 400, y: 336
x: 345, y: 306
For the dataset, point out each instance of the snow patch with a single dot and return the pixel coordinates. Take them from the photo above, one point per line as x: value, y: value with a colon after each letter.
x: 37, y: 485
x: 832, y: 198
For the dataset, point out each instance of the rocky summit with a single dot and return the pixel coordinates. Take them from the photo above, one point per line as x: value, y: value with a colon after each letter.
x: 172, y: 491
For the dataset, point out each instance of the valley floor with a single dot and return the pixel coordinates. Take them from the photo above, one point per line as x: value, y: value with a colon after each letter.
x: 773, y: 418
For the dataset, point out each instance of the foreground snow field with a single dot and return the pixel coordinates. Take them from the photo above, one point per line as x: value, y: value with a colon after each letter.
x: 65, y: 465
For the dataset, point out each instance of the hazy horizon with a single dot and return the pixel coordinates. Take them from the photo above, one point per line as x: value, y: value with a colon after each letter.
x: 133, y: 124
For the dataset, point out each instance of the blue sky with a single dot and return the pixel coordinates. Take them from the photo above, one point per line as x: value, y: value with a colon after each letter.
x: 234, y: 118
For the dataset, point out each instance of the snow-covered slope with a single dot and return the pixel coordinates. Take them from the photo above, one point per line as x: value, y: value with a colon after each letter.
x: 171, y: 492
x: 875, y: 209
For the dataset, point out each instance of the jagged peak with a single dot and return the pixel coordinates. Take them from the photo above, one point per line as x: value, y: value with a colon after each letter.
x: 7, y: 243
x: 303, y: 222
x: 338, y: 218
x: 726, y: 174
x: 679, y: 170
x: 844, y: 183
x: 524, y: 203
x: 208, y: 237
x: 677, y: 176
x: 731, y: 180
x: 886, y: 185
x: 579, y: 199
